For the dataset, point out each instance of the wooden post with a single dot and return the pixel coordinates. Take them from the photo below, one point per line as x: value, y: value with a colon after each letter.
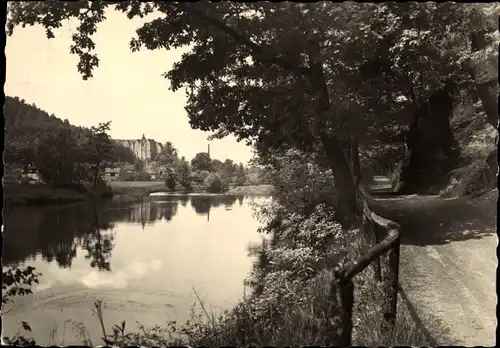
x: 345, y: 300
x: 376, y: 262
x: 391, y: 278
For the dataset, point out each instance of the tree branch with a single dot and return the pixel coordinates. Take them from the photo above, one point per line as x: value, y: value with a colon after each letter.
x: 259, y: 53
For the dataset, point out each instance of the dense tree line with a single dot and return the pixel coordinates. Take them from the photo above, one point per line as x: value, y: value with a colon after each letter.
x: 215, y: 174
x: 62, y: 153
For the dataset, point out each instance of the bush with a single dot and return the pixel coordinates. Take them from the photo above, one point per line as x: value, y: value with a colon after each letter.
x: 170, y: 181
x: 213, y: 183
x: 240, y: 181
x: 300, y: 184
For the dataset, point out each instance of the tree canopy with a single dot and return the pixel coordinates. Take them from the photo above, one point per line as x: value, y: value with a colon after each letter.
x: 201, y: 161
x: 26, y: 126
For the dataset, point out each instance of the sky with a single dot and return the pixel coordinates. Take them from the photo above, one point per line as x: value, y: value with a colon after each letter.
x: 127, y: 87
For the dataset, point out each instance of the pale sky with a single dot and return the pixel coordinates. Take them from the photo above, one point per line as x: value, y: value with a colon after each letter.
x: 127, y: 88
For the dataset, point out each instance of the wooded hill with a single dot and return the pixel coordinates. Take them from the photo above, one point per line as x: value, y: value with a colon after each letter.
x: 26, y: 126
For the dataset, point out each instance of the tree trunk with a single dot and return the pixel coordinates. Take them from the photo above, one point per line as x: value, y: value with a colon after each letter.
x: 355, y: 163
x: 344, y: 183
x: 96, y: 175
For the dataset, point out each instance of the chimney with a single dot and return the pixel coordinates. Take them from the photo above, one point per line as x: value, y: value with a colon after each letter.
x: 208, y: 150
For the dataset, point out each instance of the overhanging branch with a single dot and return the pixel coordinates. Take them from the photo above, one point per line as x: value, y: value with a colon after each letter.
x: 258, y: 52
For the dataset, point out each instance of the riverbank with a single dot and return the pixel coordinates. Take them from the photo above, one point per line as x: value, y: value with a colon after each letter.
x: 39, y: 194
x: 251, y: 190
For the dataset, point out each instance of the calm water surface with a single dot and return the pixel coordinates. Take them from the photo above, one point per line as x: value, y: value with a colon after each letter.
x: 143, y: 260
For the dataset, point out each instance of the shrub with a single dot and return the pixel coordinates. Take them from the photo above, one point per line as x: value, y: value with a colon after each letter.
x: 213, y: 183
x: 170, y: 181
x: 300, y: 183
x: 240, y: 181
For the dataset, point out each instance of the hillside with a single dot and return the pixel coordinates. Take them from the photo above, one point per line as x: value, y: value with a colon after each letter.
x: 26, y: 125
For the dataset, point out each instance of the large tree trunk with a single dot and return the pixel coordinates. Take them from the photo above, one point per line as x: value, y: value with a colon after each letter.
x: 343, y: 180
x: 344, y: 183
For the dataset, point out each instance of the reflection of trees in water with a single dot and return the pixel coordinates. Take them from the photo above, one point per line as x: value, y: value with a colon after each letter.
x: 202, y: 204
x: 56, y: 237
x: 184, y: 200
x: 56, y: 233
x: 99, y: 244
x: 147, y: 212
x: 261, y: 263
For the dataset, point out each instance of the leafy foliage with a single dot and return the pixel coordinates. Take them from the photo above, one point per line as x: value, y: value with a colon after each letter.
x: 169, y: 156
x: 61, y: 152
x: 214, y: 184
x: 183, y: 171
x: 17, y: 281
x: 123, y: 154
x: 201, y: 161
x: 99, y: 149
x: 57, y: 158
x: 240, y: 175
x: 299, y: 183
x: 171, y: 180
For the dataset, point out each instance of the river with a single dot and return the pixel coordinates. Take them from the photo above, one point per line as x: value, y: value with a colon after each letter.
x: 143, y: 260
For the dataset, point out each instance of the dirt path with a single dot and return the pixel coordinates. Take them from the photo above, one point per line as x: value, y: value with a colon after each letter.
x: 448, y: 264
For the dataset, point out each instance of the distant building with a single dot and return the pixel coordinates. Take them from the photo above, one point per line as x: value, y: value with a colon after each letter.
x: 144, y: 149
x: 111, y: 174
x: 31, y: 174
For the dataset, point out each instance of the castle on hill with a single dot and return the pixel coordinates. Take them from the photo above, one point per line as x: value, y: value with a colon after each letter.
x: 144, y: 149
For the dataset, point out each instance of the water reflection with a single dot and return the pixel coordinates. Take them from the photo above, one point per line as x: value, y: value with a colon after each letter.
x: 56, y: 233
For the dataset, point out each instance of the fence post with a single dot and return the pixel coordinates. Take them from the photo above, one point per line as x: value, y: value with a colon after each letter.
x: 345, y: 300
x: 391, y: 286
x: 376, y: 262
x: 371, y: 236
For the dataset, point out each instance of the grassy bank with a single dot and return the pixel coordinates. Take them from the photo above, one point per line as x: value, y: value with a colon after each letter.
x: 144, y: 188
x: 251, y: 190
x: 137, y: 189
x: 40, y: 194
